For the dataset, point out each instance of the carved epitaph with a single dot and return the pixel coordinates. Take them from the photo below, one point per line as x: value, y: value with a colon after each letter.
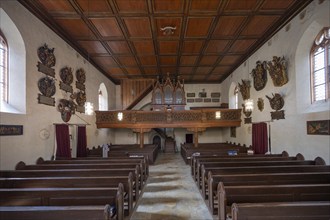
x: 244, y: 88
x: 276, y: 103
x: 259, y: 75
x: 278, y: 71
x: 67, y: 78
x: 47, y: 88
x: 48, y: 60
x: 81, y: 78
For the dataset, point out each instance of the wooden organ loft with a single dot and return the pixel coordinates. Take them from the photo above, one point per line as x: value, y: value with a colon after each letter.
x: 168, y: 95
x: 168, y: 111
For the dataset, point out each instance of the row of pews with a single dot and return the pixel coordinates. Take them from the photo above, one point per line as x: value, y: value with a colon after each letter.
x: 149, y: 151
x: 77, y: 188
x: 188, y: 150
x: 276, y: 186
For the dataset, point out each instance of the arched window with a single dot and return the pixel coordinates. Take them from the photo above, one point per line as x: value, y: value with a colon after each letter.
x: 103, y: 98
x: 13, y: 67
x: 236, y: 97
x: 320, y: 66
x: 3, y: 68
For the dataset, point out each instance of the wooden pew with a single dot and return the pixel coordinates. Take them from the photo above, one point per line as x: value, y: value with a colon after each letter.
x: 215, y: 157
x: 143, y: 161
x: 197, y: 161
x: 64, y: 197
x: 261, y: 169
x: 249, y: 161
x: 75, y: 173
x: 73, y: 182
x: 227, y: 195
x: 100, y: 212
x: 259, y: 163
x: 22, y: 166
x: 262, y: 179
x: 281, y: 210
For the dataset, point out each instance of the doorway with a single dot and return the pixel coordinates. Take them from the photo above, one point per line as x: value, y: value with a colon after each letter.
x: 189, y: 138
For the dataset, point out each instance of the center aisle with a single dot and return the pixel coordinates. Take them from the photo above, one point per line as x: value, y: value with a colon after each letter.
x: 170, y: 193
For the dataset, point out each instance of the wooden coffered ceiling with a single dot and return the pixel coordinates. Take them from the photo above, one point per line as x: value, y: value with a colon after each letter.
x: 123, y: 38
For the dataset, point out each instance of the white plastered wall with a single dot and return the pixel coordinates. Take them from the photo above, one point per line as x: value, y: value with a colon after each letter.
x: 39, y: 118
x: 293, y: 42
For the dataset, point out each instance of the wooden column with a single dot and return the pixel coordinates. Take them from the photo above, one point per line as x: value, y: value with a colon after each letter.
x: 196, y: 130
x: 141, y: 131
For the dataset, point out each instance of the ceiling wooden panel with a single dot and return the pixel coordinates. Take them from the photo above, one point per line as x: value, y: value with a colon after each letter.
x: 92, y: 47
x: 107, y: 27
x: 168, y: 6
x: 122, y: 38
x: 88, y: 7
x: 207, y: 6
x: 138, y: 27
x: 119, y: 47
x: 129, y: 6
x: 198, y: 27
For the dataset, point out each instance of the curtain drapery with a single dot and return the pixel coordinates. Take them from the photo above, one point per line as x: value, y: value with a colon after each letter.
x: 62, y: 141
x: 82, y: 142
x: 259, y: 138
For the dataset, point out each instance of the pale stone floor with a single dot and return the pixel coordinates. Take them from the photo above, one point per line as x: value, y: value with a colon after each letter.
x: 170, y: 193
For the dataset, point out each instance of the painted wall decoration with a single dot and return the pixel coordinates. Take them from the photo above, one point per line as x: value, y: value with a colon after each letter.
x: 259, y: 75
x: 244, y: 88
x: 276, y: 103
x: 11, y: 130
x: 47, y: 88
x: 48, y: 60
x: 321, y: 127
x: 66, y: 79
x: 278, y: 71
x: 260, y: 104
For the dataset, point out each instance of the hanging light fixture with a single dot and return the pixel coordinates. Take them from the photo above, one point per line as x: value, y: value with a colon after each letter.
x: 248, y: 103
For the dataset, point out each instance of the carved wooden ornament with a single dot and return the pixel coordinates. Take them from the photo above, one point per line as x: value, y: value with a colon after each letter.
x: 276, y: 103
x: 278, y: 71
x: 47, y: 88
x: 259, y: 75
x: 48, y: 60
x: 260, y: 104
x: 67, y: 78
x: 244, y: 88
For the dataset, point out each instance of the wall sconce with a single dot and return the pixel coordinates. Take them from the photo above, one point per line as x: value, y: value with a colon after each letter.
x: 120, y: 116
x: 248, y: 103
x: 217, y: 115
x: 89, y: 108
x: 247, y: 110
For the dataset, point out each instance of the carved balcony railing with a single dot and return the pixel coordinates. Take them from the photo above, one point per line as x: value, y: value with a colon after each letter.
x: 203, y: 118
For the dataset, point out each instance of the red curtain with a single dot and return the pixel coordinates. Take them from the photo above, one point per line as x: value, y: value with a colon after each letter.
x: 82, y: 142
x: 62, y: 141
x: 259, y: 138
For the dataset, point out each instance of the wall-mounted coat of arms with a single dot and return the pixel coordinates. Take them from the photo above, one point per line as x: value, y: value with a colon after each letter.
x: 67, y: 78
x: 276, y: 103
x: 67, y: 108
x: 47, y: 88
x: 259, y: 75
x: 48, y: 60
x: 81, y: 78
x: 244, y: 88
x: 278, y: 71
